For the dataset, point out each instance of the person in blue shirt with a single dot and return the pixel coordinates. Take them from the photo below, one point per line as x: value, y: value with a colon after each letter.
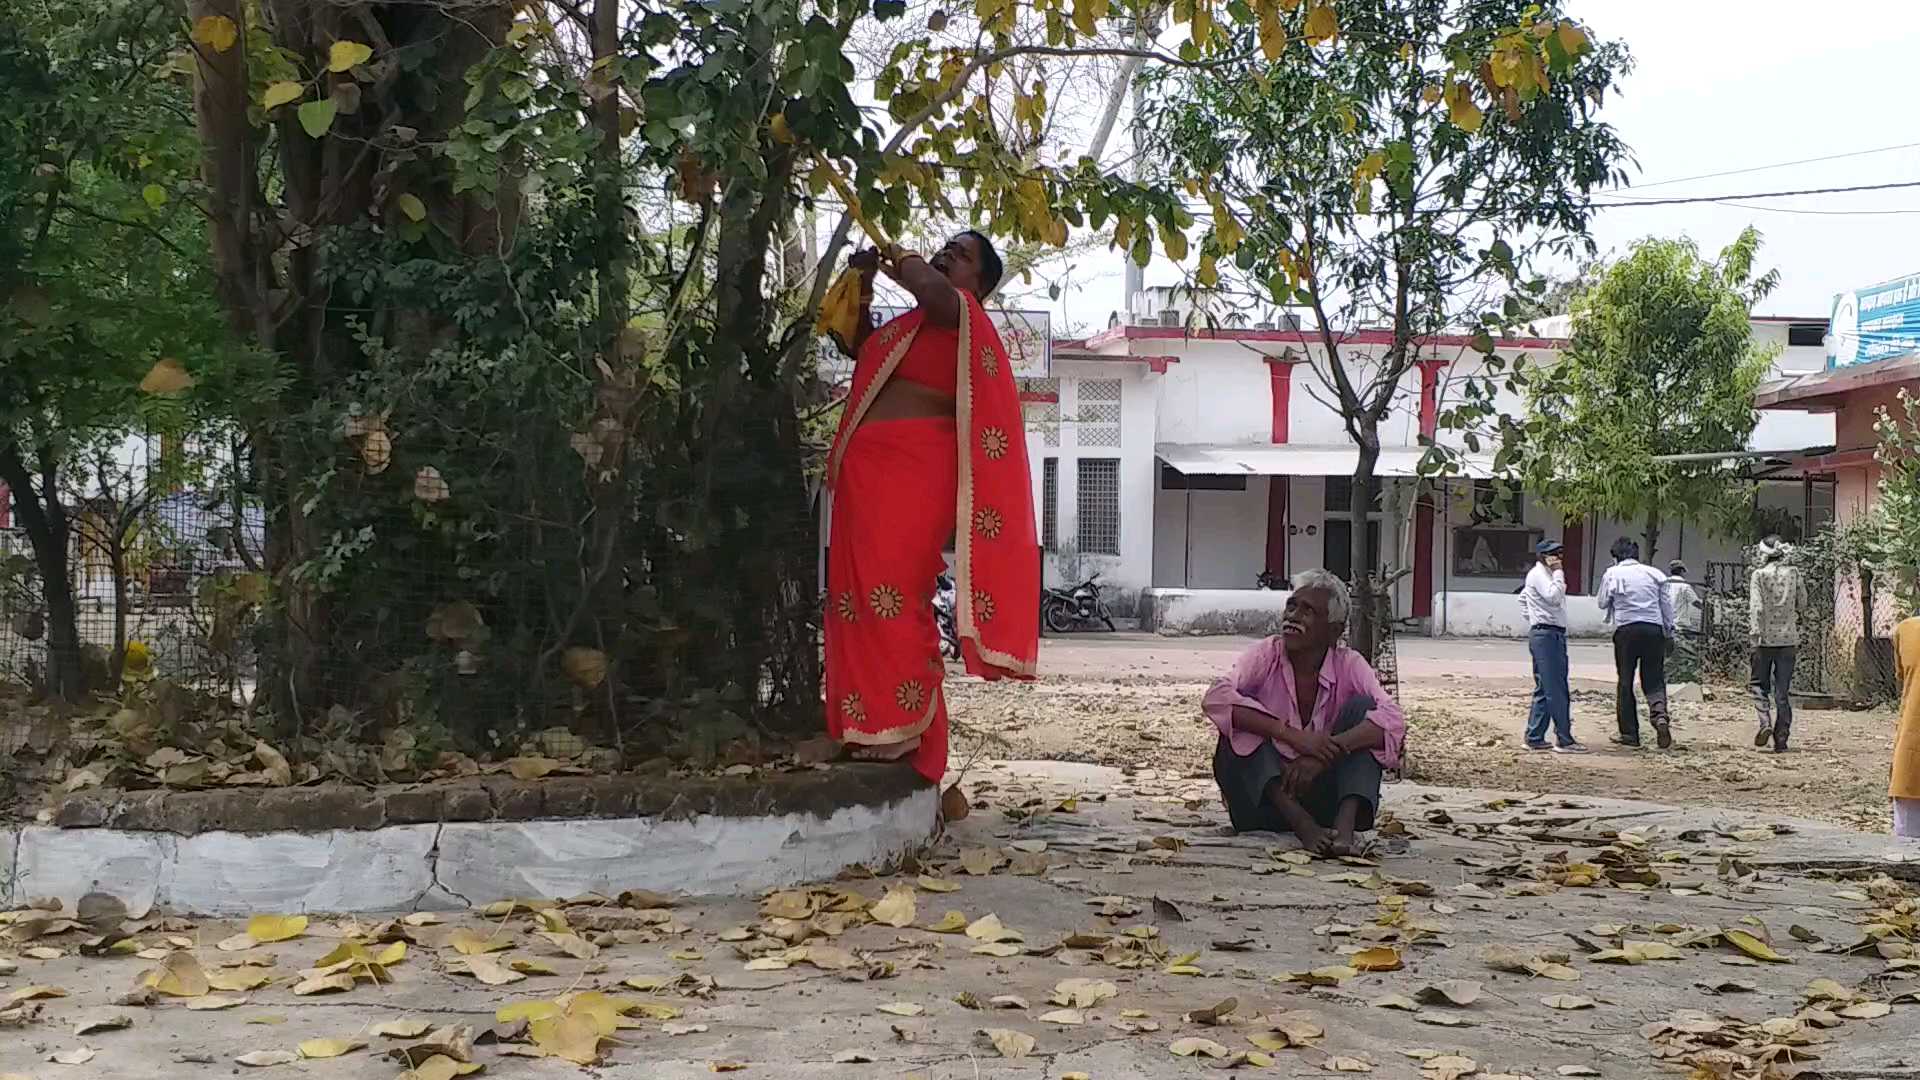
x: 1633, y: 596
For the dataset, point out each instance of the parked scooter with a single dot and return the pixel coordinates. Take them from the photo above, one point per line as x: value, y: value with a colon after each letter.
x: 1064, y: 610
x: 943, y: 601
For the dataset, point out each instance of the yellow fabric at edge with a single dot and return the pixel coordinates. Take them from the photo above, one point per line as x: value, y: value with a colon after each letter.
x: 1906, y: 739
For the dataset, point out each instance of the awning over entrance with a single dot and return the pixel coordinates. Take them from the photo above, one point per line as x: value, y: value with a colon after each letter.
x: 1293, y: 459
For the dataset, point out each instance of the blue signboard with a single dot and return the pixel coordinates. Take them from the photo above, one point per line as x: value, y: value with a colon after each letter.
x: 1875, y: 323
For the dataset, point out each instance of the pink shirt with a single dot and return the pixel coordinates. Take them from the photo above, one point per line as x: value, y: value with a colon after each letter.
x: 1263, y: 679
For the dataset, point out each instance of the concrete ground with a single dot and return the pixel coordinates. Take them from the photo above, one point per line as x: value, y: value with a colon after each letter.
x: 1176, y: 915
x: 1121, y: 699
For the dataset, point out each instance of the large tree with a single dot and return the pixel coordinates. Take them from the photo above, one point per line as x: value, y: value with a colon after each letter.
x: 1661, y: 363
x: 103, y: 273
x: 1408, y: 182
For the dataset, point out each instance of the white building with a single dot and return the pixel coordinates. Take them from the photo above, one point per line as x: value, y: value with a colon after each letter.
x: 1181, y: 464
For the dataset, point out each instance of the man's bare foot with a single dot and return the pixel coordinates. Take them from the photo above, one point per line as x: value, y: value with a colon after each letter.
x: 1313, y: 838
x: 886, y: 751
x: 1343, y: 842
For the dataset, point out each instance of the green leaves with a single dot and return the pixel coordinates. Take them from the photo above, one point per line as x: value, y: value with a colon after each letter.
x: 316, y: 117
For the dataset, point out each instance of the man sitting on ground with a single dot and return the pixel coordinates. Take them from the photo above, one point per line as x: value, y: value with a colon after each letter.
x: 1305, y: 729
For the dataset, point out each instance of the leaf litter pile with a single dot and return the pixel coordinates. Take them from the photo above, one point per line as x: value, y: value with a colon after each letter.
x: 950, y: 952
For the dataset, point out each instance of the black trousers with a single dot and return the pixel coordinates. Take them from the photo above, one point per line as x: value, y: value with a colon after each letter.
x: 1244, y: 781
x: 1641, y: 645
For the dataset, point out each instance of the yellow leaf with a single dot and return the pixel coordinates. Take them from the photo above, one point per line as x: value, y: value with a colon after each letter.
x: 1322, y: 24
x: 902, y: 1008
x: 1270, y: 1040
x: 1202, y: 1047
x: 467, y: 943
x: 528, y: 966
x: 573, y: 1037
x: 392, y: 954
x: 410, y: 205
x: 1209, y: 272
x: 574, y: 945
x: 951, y: 923
x: 998, y: 948
x: 932, y: 884
x: 1461, y: 110
x: 329, y: 1048
x: 247, y: 977
x: 180, y: 975
x: 347, y: 55
x: 281, y: 93
x: 895, y: 909
x: 216, y: 32
x: 214, y: 1003
x: 1572, y: 38
x: 167, y: 376
x: 31, y: 993
x: 438, y: 1067
x: 1010, y: 1043
x: 267, y: 929
x: 987, y: 928
x: 336, y: 982
x: 1380, y: 959
x: 1273, y: 36
x: 584, y: 667
x: 491, y: 971
x: 1566, y: 1001
x: 1753, y: 946
x: 528, y: 1011
x: 1175, y: 241
x: 779, y: 129
x: 1083, y: 993
x: 401, y: 1029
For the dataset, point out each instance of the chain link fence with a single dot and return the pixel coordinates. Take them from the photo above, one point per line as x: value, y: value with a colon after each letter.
x: 1844, y: 653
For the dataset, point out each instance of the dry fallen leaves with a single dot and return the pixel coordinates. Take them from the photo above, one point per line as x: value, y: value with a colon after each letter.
x: 179, y: 975
x: 329, y: 1048
x: 262, y: 1059
x: 1010, y: 1043
x: 897, y: 908
x: 1189, y: 1047
x: 1458, y: 992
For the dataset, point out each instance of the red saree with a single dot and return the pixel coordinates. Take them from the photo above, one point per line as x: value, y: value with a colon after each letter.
x: 899, y: 488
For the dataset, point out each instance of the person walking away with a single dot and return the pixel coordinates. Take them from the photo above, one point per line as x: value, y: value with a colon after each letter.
x: 1633, y: 596
x: 931, y: 446
x: 1776, y: 596
x: 1685, y: 601
x: 1543, y: 599
x: 1905, y: 786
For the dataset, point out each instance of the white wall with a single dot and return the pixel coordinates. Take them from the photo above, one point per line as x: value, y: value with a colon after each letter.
x: 1133, y: 568
x: 1482, y: 614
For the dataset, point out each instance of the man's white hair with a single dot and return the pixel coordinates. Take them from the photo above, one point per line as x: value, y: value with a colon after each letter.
x: 1337, y: 599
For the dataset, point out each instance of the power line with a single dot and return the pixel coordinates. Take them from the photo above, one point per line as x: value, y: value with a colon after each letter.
x: 1619, y: 201
x: 1766, y: 168
x: 1821, y: 213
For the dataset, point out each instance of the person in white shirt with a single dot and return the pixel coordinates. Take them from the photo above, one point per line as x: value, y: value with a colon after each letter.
x: 1544, y: 601
x: 1633, y: 597
x: 1684, y: 666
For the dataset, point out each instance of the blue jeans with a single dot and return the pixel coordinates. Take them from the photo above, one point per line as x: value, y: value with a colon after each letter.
x: 1552, y: 700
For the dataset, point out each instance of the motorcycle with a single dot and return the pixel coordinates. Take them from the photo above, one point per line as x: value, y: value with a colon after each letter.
x: 1062, y: 610
x: 943, y: 601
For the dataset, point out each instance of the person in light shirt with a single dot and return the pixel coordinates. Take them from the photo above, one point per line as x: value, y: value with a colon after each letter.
x: 1306, y: 732
x: 1544, y: 601
x: 1633, y: 596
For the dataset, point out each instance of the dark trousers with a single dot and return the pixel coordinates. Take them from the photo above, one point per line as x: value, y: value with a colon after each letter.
x: 1771, y: 687
x: 1552, y: 699
x: 1641, y: 645
x: 1244, y: 781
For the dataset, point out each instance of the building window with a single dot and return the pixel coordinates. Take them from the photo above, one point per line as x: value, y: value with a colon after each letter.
x: 1807, y: 333
x: 1050, y: 503
x: 1496, y: 502
x: 1099, y: 420
x: 1339, y: 494
x: 1098, y: 506
x: 1042, y: 416
x: 1172, y: 479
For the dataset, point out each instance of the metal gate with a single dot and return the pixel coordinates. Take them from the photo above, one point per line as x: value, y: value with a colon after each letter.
x: 1724, y: 644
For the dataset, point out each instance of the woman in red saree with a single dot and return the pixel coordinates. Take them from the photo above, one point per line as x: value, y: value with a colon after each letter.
x: 932, y: 446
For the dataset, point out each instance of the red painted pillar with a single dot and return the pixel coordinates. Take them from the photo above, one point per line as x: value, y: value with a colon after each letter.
x: 1278, y: 488
x: 1280, y: 373
x: 1430, y: 395
x: 1423, y: 509
x: 6, y: 508
x: 1573, y: 541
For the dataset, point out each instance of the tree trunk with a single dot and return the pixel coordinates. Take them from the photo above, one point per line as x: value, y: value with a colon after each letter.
x: 117, y: 560
x: 45, y: 521
x: 1363, y: 631
x: 1652, y: 536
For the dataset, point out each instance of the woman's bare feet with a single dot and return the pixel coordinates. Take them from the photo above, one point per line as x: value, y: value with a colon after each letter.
x: 886, y: 751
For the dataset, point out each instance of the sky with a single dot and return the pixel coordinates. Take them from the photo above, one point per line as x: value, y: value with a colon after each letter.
x: 1720, y: 86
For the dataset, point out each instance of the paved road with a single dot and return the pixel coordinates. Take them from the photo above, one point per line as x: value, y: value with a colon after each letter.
x: 1095, y: 655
